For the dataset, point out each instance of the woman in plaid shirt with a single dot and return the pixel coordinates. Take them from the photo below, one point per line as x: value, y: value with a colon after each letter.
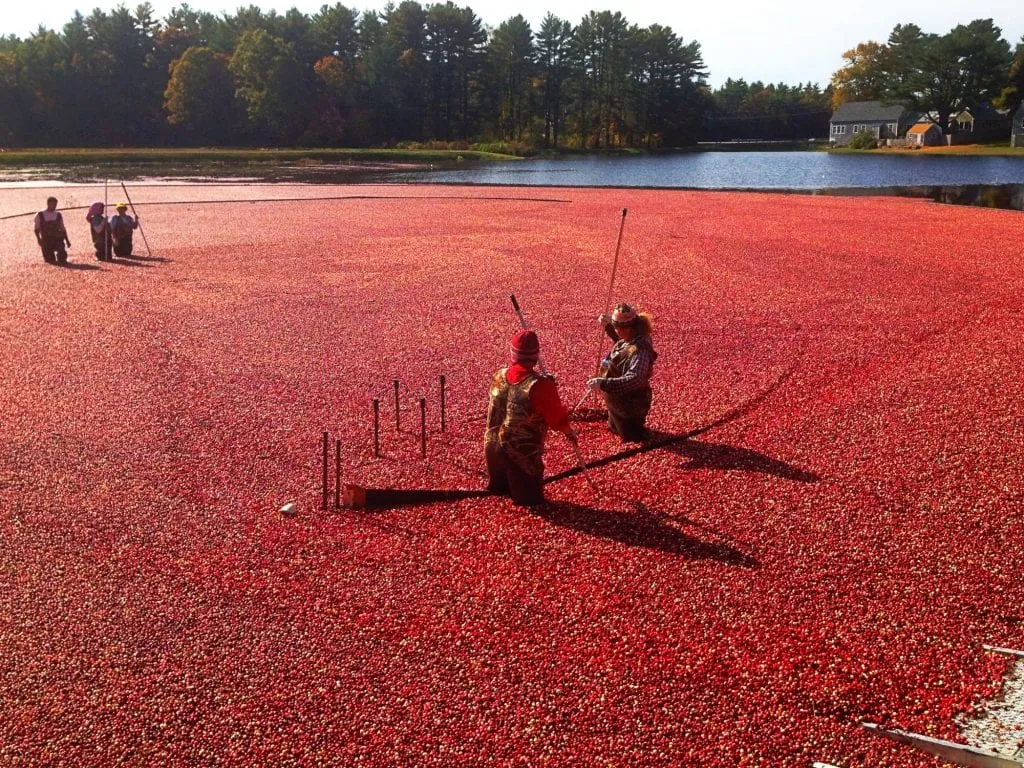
x: 626, y: 379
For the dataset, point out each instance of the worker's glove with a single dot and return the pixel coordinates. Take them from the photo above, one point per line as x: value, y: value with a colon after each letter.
x: 594, y: 385
x: 604, y: 319
x: 606, y: 363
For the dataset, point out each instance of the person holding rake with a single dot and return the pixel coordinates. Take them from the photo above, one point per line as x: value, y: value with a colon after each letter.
x: 523, y: 406
x: 625, y: 379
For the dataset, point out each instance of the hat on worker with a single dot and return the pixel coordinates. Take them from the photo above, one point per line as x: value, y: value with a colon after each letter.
x: 122, y: 205
x: 624, y: 315
x: 525, y: 348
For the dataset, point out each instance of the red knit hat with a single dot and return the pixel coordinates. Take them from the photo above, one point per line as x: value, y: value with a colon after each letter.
x: 525, y: 348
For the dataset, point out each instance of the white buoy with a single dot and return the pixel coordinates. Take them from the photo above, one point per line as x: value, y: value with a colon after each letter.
x: 290, y: 509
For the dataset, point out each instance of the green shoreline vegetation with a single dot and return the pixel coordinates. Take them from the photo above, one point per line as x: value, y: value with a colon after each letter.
x: 144, y: 155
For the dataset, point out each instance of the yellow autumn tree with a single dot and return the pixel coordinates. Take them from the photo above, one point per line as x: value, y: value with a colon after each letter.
x: 863, y: 76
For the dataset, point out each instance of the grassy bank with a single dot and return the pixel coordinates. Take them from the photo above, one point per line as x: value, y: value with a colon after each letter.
x: 142, y: 155
x: 1003, y: 149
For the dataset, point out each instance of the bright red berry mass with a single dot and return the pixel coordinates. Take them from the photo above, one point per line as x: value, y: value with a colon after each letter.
x: 831, y: 538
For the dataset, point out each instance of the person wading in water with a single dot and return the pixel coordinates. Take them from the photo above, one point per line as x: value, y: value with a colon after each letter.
x: 51, y: 234
x: 122, y: 227
x: 523, y: 405
x: 99, y: 229
x: 626, y: 372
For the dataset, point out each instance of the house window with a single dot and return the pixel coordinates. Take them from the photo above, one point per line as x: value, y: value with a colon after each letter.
x: 842, y: 128
x: 965, y: 125
x: 892, y: 129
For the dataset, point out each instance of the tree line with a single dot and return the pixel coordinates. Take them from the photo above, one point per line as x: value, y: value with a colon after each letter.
x: 937, y: 75
x: 410, y: 73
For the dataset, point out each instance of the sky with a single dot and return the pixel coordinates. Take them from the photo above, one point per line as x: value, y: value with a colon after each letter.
x: 789, y: 41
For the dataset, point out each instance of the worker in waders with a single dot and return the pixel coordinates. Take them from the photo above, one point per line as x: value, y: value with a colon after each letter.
x: 524, y: 404
x: 122, y: 227
x: 625, y: 377
x: 51, y: 234
x: 99, y: 229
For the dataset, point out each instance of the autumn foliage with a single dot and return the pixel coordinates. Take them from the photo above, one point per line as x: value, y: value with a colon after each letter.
x: 830, y: 537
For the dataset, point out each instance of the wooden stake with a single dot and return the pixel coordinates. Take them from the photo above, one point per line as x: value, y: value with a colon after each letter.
x: 423, y: 426
x: 325, y: 478
x: 376, y: 427
x: 398, y: 411
x: 337, y: 474
x: 442, y: 404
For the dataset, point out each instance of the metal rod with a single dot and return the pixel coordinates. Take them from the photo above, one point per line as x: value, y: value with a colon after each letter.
x: 442, y: 403
x: 337, y: 474
x: 947, y: 751
x: 423, y: 426
x: 136, y: 215
x: 583, y: 468
x: 325, y: 478
x: 376, y: 427
x: 1004, y: 651
x: 583, y: 399
x: 398, y: 411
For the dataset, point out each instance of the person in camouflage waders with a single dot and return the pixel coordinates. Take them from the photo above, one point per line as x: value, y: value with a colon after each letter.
x: 122, y: 227
x: 626, y: 372
x: 51, y: 234
x: 523, y: 406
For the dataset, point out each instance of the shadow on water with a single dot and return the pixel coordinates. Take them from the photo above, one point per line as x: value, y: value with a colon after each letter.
x: 641, y: 528
x: 79, y: 265
x: 1003, y: 196
x: 719, y: 456
x: 137, y: 257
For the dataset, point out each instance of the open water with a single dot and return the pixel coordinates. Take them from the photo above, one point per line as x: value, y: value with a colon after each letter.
x: 963, y: 179
x: 737, y: 170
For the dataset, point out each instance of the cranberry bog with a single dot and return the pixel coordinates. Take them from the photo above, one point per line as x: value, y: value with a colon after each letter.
x: 827, y: 533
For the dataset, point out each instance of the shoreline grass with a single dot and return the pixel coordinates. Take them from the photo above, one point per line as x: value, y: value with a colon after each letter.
x: 145, y: 155
x: 1002, y: 149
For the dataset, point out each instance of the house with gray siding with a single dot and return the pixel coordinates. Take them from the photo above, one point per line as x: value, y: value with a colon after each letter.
x: 982, y: 122
x: 1017, y: 137
x: 883, y: 121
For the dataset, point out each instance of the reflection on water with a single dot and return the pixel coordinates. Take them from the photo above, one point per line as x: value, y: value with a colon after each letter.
x: 743, y: 170
x: 971, y: 180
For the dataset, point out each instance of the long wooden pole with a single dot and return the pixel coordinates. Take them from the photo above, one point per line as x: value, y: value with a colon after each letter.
x: 576, y: 448
x: 607, y: 305
x: 611, y: 285
x: 136, y: 215
x: 107, y: 252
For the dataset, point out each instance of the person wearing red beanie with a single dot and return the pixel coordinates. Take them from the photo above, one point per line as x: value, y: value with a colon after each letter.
x: 523, y: 405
